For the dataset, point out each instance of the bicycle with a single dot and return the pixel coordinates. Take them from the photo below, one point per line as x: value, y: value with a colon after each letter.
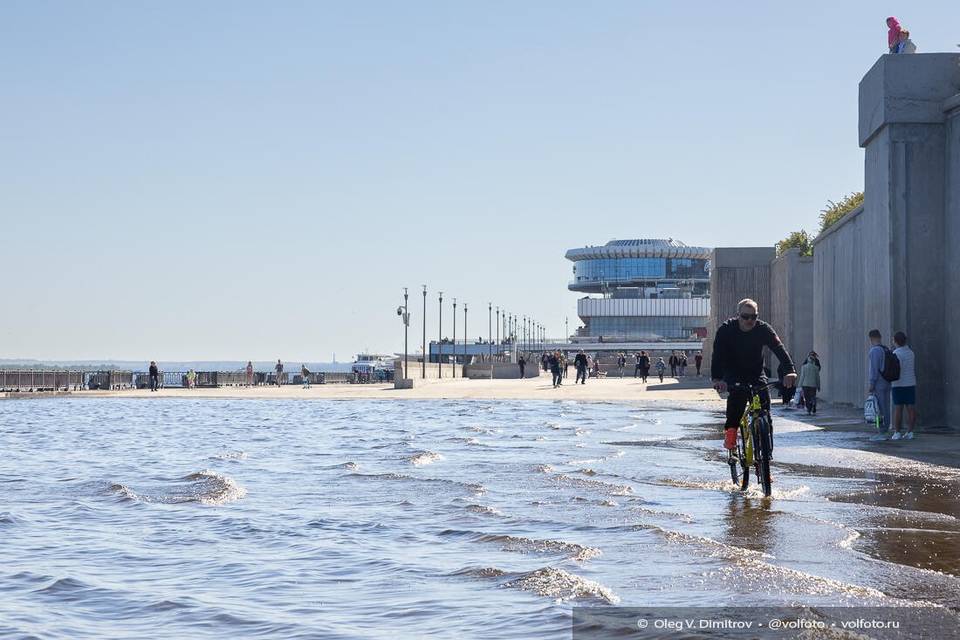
x: 755, y: 442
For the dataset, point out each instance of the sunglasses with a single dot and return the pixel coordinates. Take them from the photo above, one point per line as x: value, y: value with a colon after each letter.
x: 749, y: 316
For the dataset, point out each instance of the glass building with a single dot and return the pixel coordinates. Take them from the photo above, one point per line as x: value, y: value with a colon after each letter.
x: 648, y: 289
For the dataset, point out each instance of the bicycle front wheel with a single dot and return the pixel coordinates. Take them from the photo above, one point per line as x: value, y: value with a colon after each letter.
x: 762, y: 452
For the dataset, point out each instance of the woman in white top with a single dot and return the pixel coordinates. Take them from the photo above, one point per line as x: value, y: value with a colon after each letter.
x: 904, y: 388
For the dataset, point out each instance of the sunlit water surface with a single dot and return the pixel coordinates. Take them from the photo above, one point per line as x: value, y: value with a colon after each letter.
x: 357, y: 519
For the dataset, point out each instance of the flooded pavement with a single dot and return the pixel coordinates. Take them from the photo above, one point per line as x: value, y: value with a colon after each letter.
x: 329, y: 519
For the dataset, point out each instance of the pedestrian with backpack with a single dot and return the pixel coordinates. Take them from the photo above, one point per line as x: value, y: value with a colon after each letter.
x: 884, y: 368
x: 904, y: 388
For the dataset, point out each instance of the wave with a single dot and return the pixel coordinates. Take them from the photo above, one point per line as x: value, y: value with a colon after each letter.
x: 549, y: 582
x: 597, y: 485
x: 556, y: 583
x: 423, y: 458
x: 230, y: 455
x: 206, y: 487
x: 479, y: 508
x: 754, y: 491
x: 475, y: 488
x: 520, y: 544
x: 754, y: 565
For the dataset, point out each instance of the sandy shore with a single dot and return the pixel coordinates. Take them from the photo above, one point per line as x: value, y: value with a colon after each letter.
x: 602, y: 390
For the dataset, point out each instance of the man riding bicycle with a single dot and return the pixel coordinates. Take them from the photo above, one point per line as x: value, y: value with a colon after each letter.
x: 738, y: 360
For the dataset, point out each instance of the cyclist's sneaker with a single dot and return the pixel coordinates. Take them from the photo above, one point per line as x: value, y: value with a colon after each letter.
x: 908, y: 435
x: 730, y: 438
x: 896, y: 435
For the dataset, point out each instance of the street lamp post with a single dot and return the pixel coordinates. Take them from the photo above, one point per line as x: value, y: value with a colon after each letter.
x: 406, y: 331
x: 490, y: 336
x: 440, y: 340
x: 454, y: 337
x: 499, y: 346
x: 464, y: 334
x: 423, y: 345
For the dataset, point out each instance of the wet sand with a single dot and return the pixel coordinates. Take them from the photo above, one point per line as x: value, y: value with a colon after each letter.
x: 603, y: 390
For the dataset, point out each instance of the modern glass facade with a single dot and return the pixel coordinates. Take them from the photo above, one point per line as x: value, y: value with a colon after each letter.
x: 638, y: 270
x: 646, y: 328
x: 651, y: 289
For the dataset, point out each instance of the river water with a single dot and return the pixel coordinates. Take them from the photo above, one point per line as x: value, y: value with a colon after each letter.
x: 358, y: 519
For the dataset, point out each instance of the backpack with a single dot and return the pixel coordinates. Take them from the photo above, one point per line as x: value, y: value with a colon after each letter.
x: 891, y: 366
x: 871, y: 409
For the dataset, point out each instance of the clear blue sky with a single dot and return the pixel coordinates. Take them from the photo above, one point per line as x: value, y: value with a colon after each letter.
x: 183, y: 180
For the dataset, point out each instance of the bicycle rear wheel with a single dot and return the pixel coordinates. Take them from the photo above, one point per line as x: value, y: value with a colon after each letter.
x: 762, y: 451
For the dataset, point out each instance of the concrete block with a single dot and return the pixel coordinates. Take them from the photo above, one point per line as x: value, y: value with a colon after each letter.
x: 907, y: 89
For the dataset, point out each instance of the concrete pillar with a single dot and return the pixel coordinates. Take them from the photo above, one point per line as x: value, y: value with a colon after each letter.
x: 736, y: 273
x: 951, y: 290
x: 903, y: 127
x: 791, y: 302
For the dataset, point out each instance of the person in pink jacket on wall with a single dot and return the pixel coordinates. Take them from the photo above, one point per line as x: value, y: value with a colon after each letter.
x: 893, y: 34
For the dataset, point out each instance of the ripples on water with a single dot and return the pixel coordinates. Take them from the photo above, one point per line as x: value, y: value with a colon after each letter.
x: 245, y: 518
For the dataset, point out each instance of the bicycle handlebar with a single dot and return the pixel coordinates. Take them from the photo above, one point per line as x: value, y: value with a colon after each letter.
x: 752, y: 387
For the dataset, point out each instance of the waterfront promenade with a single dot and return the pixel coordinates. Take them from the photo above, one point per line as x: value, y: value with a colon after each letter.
x: 604, y: 390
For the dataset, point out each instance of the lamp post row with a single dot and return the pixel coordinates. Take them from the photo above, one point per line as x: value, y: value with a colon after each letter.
x: 523, y: 329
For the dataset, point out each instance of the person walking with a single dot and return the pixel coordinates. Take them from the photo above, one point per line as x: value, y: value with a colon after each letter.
x: 249, y: 373
x: 637, y: 368
x: 683, y: 364
x: 580, y: 363
x: 523, y: 365
x: 660, y: 367
x: 673, y: 364
x: 644, y: 366
x: 279, y: 370
x: 554, y: 363
x: 191, y: 379
x: 305, y: 374
x: 566, y: 365
x: 698, y: 359
x: 879, y: 385
x: 809, y: 384
x: 621, y: 363
x: 154, y: 372
x: 904, y: 388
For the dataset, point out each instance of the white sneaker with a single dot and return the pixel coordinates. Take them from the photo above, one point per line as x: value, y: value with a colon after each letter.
x: 908, y: 435
x: 880, y: 437
x: 896, y: 435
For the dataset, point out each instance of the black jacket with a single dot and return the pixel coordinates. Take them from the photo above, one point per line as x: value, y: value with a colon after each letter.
x: 738, y: 355
x: 580, y: 362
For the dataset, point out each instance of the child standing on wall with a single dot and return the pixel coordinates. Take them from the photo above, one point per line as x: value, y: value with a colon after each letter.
x: 893, y: 34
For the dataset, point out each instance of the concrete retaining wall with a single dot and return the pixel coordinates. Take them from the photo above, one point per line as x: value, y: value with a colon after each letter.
x: 888, y: 266
x: 951, y: 277
x: 735, y: 274
x: 791, y: 302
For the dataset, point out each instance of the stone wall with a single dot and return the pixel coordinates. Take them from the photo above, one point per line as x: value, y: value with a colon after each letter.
x: 839, y: 309
x: 951, y: 277
x: 791, y: 302
x: 888, y: 266
x: 736, y: 273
